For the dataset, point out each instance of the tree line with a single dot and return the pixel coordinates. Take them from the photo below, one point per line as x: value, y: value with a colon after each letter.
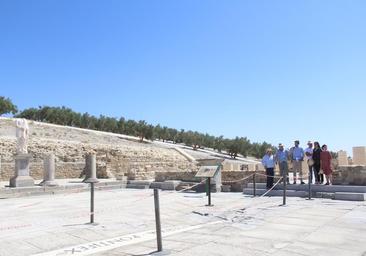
x: 141, y: 129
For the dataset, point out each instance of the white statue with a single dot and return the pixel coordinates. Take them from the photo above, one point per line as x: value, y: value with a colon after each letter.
x: 22, y: 133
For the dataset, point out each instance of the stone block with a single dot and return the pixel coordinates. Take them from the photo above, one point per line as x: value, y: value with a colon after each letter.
x: 342, y: 158
x: 21, y: 177
x: 349, y: 196
x: 170, y: 184
x: 155, y: 184
x: 226, y: 188
x: 324, y: 195
x: 22, y: 181
x: 359, y: 155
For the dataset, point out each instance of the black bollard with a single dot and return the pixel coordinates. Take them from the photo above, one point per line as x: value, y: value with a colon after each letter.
x: 309, y: 181
x: 92, y: 202
x: 157, y: 220
x: 209, y: 191
x: 254, y: 186
x: 284, y: 177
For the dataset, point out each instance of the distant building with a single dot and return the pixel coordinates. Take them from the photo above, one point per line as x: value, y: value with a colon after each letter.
x: 342, y: 158
x: 359, y: 155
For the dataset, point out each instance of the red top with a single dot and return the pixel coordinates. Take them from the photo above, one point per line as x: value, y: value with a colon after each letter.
x: 325, y: 159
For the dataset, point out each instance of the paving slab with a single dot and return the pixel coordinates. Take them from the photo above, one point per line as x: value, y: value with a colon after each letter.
x: 236, y: 225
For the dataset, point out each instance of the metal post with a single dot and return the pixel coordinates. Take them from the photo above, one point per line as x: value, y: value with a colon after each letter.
x: 209, y: 191
x: 206, y: 187
x: 157, y: 220
x: 254, y: 186
x: 309, y: 181
x: 284, y: 177
x: 91, y: 202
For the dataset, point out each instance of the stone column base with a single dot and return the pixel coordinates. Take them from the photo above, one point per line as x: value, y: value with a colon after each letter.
x: 21, y: 181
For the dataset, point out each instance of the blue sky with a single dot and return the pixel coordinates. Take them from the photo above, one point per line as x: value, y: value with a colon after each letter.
x: 273, y: 71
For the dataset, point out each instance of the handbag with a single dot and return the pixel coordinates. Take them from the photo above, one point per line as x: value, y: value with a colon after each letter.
x: 310, y: 162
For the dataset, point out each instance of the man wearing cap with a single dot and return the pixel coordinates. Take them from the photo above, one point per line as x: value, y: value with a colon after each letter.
x: 281, y: 159
x: 297, y: 156
x: 309, y: 157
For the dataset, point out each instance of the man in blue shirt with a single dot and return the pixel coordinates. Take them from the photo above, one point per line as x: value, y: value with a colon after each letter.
x: 297, y: 156
x: 281, y: 158
x: 269, y: 163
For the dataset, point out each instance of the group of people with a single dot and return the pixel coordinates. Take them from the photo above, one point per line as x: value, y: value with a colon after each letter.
x: 318, y: 160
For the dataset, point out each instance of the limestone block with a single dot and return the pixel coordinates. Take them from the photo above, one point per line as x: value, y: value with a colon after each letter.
x: 349, y: 196
x: 225, y: 188
x: 236, y: 167
x: 227, y: 166
x: 170, y: 184
x: 342, y: 158
x: 359, y: 155
x: 21, y: 177
x: 259, y: 167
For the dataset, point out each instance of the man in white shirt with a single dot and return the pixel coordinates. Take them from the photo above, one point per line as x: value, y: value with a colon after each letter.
x: 269, y: 163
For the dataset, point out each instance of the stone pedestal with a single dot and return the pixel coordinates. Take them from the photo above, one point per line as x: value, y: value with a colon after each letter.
x: 22, y: 178
x: 49, y: 171
x: 90, y: 169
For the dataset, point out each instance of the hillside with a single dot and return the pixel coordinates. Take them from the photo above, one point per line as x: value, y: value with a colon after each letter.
x: 116, y: 153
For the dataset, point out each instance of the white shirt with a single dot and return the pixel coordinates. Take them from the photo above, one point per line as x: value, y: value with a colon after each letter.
x: 310, y: 151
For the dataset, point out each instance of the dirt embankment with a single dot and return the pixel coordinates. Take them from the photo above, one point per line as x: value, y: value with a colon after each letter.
x: 116, y: 154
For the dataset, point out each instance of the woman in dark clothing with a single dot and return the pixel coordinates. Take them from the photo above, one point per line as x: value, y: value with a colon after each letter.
x: 319, y: 179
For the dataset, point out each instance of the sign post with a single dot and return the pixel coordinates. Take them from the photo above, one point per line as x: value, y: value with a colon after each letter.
x: 210, y: 169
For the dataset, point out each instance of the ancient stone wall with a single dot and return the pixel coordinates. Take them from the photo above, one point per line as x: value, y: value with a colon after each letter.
x: 350, y: 175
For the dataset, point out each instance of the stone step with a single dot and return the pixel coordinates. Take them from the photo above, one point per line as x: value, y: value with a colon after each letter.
x: 110, y: 187
x: 137, y: 186
x: 289, y: 193
x: 170, y: 184
x: 349, y: 196
x: 323, y: 195
x: 140, y: 182
x: 315, y: 188
x: 111, y: 183
x: 155, y: 184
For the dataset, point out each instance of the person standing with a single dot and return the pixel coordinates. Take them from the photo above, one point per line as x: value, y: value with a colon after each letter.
x: 310, y: 162
x: 297, y: 156
x: 268, y: 162
x: 326, y: 164
x: 316, y: 158
x: 281, y: 159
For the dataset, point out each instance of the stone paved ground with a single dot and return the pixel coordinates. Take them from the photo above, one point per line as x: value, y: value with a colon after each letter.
x: 235, y: 225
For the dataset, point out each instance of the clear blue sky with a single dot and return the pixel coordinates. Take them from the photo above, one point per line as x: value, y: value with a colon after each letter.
x: 273, y: 71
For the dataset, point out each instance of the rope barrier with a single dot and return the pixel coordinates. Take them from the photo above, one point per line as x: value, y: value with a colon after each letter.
x: 185, y: 189
x: 269, y: 190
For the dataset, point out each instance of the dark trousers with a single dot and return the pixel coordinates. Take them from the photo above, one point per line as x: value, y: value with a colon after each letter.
x: 270, y: 172
x: 318, y: 177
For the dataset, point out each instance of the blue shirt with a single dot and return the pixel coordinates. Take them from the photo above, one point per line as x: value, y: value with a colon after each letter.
x: 268, y: 161
x: 297, y: 153
x: 281, y: 156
